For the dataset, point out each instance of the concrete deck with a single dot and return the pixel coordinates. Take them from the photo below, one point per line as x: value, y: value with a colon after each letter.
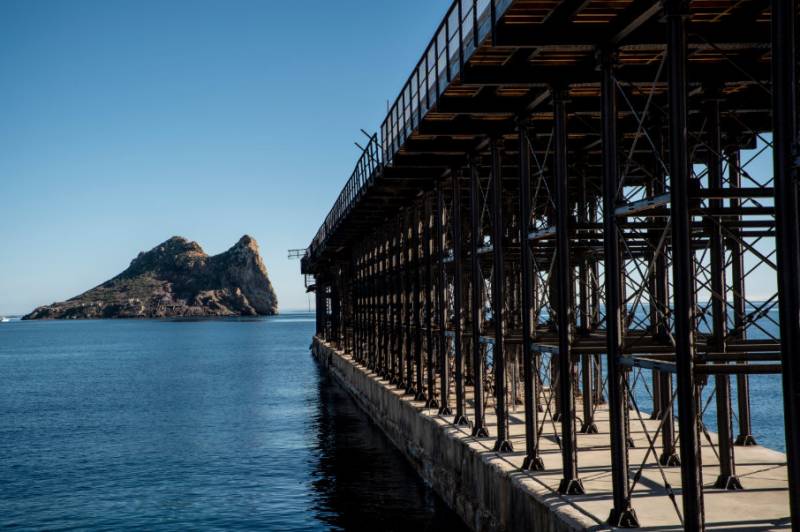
x: 491, y: 493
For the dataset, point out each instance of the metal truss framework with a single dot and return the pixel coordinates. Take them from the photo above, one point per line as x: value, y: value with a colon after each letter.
x: 561, y: 212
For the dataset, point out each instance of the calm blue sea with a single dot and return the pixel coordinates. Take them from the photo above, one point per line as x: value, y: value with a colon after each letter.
x: 179, y: 425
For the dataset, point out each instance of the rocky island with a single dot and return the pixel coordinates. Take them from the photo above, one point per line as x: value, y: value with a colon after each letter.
x: 177, y: 279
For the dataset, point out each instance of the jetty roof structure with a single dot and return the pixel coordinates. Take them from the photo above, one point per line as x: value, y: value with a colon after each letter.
x: 563, y: 208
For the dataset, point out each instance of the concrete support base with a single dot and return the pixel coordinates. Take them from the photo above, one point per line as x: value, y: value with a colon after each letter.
x: 483, y: 488
x: 506, y: 492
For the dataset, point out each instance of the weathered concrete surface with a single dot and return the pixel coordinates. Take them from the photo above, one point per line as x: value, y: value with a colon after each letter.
x: 483, y: 488
x: 490, y: 491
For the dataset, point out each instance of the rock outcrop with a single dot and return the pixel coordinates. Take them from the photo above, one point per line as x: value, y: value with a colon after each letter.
x: 177, y: 279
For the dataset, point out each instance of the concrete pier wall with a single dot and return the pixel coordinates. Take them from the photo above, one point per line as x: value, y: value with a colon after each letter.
x: 486, y: 490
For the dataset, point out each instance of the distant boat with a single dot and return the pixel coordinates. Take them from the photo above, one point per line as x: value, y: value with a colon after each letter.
x: 3, y: 319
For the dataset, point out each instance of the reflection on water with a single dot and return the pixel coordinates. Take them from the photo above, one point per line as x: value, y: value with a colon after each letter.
x: 186, y: 425
x: 362, y: 482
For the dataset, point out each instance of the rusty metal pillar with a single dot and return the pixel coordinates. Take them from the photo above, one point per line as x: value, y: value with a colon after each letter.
x: 682, y: 269
x: 335, y: 310
x: 366, y: 299
x: 787, y: 220
x: 585, y: 325
x: 374, y: 329
x: 383, y: 337
x: 417, y: 388
x: 570, y: 484
x: 392, y: 288
x: 377, y: 306
x: 530, y: 388
x: 356, y: 307
x: 375, y: 351
x: 653, y: 256
x: 622, y: 514
x: 502, y: 445
x: 365, y: 310
x: 479, y: 427
x: 386, y: 306
x: 719, y: 307
x: 362, y: 303
x: 441, y: 311
x: 738, y: 287
x: 372, y: 347
x: 365, y: 314
x: 354, y: 287
x: 375, y: 344
x: 318, y: 308
x: 410, y: 331
x: 398, y: 302
x: 596, y: 359
x: 404, y: 370
x: 669, y: 453
x: 427, y: 241
x: 458, y: 285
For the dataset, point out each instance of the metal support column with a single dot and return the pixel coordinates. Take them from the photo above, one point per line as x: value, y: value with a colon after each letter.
x: 479, y: 428
x: 418, y: 387
x: 719, y: 307
x: 622, y: 514
x: 386, y: 306
x: 356, y: 309
x: 372, y: 345
x: 335, y: 310
x: 458, y: 285
x: 430, y: 372
x: 410, y: 304
x: 502, y: 445
x: 380, y: 350
x: 356, y: 295
x: 395, y: 289
x: 682, y: 270
x: 441, y: 311
x: 532, y: 459
x: 405, y: 349
x: 318, y: 308
x: 669, y: 453
x: 585, y: 325
x: 745, y: 437
x: 570, y: 484
x: 787, y: 220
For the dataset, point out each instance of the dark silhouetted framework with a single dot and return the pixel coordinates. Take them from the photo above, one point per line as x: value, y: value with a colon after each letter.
x: 562, y: 210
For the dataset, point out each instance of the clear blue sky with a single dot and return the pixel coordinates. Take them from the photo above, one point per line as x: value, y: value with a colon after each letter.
x: 124, y: 122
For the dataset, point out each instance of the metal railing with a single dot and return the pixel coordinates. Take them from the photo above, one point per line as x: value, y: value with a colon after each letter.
x: 364, y: 174
x: 466, y: 24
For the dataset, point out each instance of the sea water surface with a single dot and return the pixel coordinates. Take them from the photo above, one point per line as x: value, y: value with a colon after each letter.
x: 179, y: 425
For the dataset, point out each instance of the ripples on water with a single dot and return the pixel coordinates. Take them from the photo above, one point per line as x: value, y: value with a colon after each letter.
x: 221, y: 424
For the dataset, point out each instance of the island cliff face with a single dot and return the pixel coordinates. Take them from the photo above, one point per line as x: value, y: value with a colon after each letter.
x: 177, y: 279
